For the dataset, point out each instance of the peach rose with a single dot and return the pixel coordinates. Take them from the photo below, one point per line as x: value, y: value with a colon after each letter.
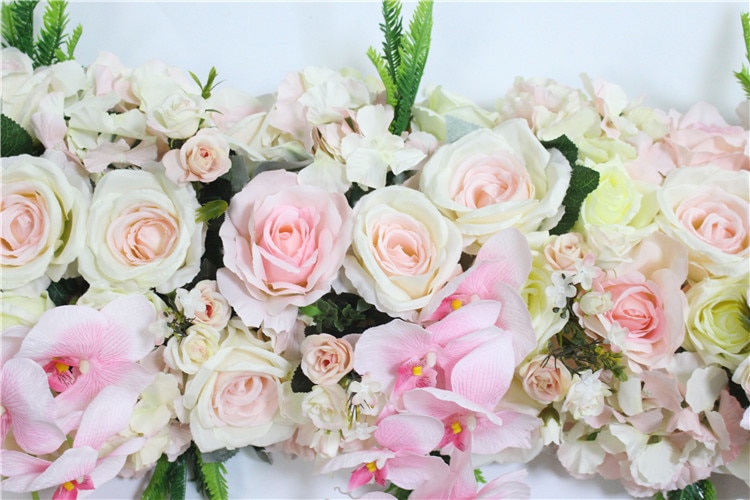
x: 43, y: 221
x: 564, y: 251
x: 403, y: 250
x: 706, y: 208
x: 202, y: 158
x: 142, y: 232
x: 283, y: 246
x: 545, y: 379
x: 325, y: 359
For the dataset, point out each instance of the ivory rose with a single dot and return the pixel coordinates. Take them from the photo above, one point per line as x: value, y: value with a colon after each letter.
x: 706, y: 208
x: 283, y: 246
x: 565, y: 250
x: 142, y: 232
x: 43, y: 221
x: 204, y: 304
x: 202, y: 158
x: 187, y: 353
x: 325, y: 359
x: 493, y: 179
x: 545, y: 379
x: 233, y: 400
x: 403, y: 250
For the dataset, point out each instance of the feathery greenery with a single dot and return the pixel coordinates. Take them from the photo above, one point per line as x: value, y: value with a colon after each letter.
x: 47, y: 47
x: 210, y: 477
x: 744, y: 74
x: 404, y: 57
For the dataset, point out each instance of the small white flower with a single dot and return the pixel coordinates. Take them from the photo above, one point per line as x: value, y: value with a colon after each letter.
x: 190, y: 302
x: 586, y: 395
x: 617, y: 335
x: 561, y: 289
x: 586, y: 271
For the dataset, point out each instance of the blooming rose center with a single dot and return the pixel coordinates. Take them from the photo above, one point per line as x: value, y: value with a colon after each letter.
x: 403, y: 246
x: 720, y: 222
x: 483, y: 180
x: 24, y: 222
x: 638, y: 310
x: 142, y: 234
x: 245, y: 399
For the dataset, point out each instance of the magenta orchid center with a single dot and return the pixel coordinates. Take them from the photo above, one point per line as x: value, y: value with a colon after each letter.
x: 63, y: 372
x: 458, y: 431
x: 69, y: 489
x: 367, y: 472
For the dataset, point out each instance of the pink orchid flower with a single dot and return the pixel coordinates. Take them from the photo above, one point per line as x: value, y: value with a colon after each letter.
x: 85, y: 465
x: 465, y: 351
x: 83, y: 350
x: 501, y: 267
x: 404, y: 441
x: 28, y: 408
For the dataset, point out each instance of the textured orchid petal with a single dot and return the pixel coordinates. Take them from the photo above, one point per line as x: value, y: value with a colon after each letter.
x: 465, y: 320
x: 485, y: 373
x: 411, y: 471
x: 355, y: 458
x: 415, y: 434
x: 507, y: 486
x: 134, y: 315
x: 29, y: 407
x: 509, y: 253
x: 381, y: 350
x: 504, y: 429
x: 74, y: 463
x: 20, y: 469
x: 108, y: 414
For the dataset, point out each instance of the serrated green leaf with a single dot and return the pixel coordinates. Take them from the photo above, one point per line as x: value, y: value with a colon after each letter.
x: 479, y: 477
x: 158, y: 486
x: 743, y: 76
x: 210, y: 477
x: 18, y: 25
x: 300, y: 382
x: 567, y: 147
x: 177, y: 477
x: 391, y: 92
x: 211, y: 210
x: 72, y: 43
x: 52, y: 34
x: 15, y: 140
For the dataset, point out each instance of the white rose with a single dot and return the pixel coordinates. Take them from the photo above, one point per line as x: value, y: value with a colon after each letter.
x: 190, y: 352
x: 22, y: 307
x: 586, y: 395
x: 403, y: 250
x: 742, y: 375
x: 207, y: 305
x: 44, y: 219
x: 142, y: 233
x: 233, y: 400
x: 706, y: 208
x: 326, y: 407
x: 494, y: 179
x: 442, y: 109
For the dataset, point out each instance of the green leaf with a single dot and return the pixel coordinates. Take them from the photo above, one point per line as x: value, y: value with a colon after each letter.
x: 743, y: 76
x: 398, y: 492
x: 177, y: 478
x: 72, y: 43
x: 300, y: 381
x: 479, y: 477
x: 209, y: 86
x: 210, y: 477
x: 391, y: 92
x: 158, y: 486
x: 66, y: 291
x: 15, y: 141
x: 52, y: 34
x: 18, y: 25
x: 211, y: 210
x: 392, y: 29
x: 701, y: 490
x: 583, y: 181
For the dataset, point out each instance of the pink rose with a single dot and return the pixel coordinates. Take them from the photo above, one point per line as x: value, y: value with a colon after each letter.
x: 564, y: 251
x: 283, y: 246
x: 701, y: 136
x: 203, y: 158
x: 325, y: 359
x: 545, y: 379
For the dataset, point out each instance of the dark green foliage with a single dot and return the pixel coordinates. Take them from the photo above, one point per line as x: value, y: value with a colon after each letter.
x: 404, y: 57
x: 743, y: 76
x: 158, y: 487
x: 583, y: 181
x: 67, y: 290
x: 701, y: 490
x: 342, y: 314
x: 15, y: 141
x: 47, y: 48
x: 300, y: 382
x: 177, y: 478
x: 399, y: 493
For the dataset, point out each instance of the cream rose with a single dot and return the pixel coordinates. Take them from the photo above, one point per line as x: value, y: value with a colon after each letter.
x: 565, y: 250
x: 206, y: 305
x: 142, y: 232
x: 326, y: 406
x: 44, y: 221
x: 325, y: 359
x: 443, y: 111
x: 493, y: 179
x: 22, y: 307
x: 403, y: 250
x: 202, y: 158
x: 188, y: 353
x: 717, y: 328
x: 233, y: 400
x: 545, y: 379
x: 706, y: 208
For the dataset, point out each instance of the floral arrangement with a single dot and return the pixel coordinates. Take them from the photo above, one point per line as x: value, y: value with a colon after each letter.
x: 402, y: 289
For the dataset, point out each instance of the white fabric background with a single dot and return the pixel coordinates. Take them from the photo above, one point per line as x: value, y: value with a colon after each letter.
x: 674, y: 54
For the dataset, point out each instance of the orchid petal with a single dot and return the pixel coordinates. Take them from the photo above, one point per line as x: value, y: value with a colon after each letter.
x: 416, y: 434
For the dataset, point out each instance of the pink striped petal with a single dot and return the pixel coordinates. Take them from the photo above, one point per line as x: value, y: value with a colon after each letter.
x: 416, y: 434
x: 509, y: 251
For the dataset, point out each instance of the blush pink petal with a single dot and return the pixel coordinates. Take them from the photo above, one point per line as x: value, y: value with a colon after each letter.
x: 415, y: 434
x: 509, y: 251
x: 484, y: 374
x: 410, y: 472
x: 29, y: 407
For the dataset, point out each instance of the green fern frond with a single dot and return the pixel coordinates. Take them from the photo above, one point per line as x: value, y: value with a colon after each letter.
x: 210, y: 477
x: 743, y: 76
x: 158, y: 486
x: 72, y: 43
x: 391, y: 92
x: 393, y: 31
x: 18, y: 25
x: 52, y: 34
x: 415, y: 48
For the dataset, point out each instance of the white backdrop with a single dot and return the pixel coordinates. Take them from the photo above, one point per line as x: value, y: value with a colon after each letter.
x: 673, y: 53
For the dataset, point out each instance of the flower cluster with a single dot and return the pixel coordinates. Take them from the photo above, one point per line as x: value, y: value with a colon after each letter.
x: 189, y: 267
